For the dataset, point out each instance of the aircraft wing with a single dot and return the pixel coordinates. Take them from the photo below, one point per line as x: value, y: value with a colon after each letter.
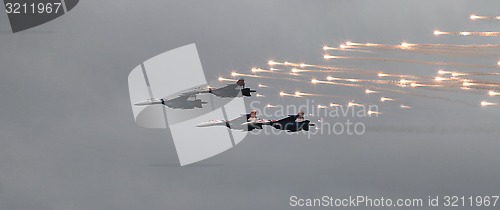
x: 179, y: 98
x: 228, y: 87
x: 193, y: 92
x: 290, y: 118
x: 256, y: 123
x: 212, y: 123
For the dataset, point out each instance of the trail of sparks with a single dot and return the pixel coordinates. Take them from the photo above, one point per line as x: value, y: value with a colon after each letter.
x: 271, y: 106
x: 482, y: 17
x: 451, y: 50
x: 315, y: 81
x: 345, y: 48
x: 443, y: 82
x: 468, y: 33
x: 269, y: 71
x: 493, y: 93
x: 368, y: 91
x: 405, y: 106
x: 236, y: 74
x: 411, y: 83
x: 384, y: 99
x: 353, y: 104
x: 370, y: 112
x: 406, y: 45
x: 460, y: 74
x: 485, y: 103
x: 408, y: 61
x: 291, y: 95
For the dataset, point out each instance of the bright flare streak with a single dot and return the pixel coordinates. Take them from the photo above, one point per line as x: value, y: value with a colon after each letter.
x: 224, y: 79
x: 300, y: 94
x: 286, y: 63
x: 437, y: 33
x: 259, y: 70
x: 457, y: 74
x: 439, y: 79
x: 271, y: 63
x: 498, y: 63
x: 404, y: 81
x: 351, y: 43
x: 315, y: 81
x: 395, y: 75
x: 469, y: 33
x: 416, y: 85
x: 341, y: 79
x: 467, y: 84
x: 259, y: 95
x: 262, y: 86
x: 368, y: 91
x: 405, y: 107
x: 270, y: 106
x: 236, y: 74
x: 287, y: 94
x: 291, y: 64
x: 373, y: 112
x: 302, y: 65
x: 493, y: 93
x: 479, y: 17
x: 485, y: 103
x: 386, y: 99
x: 255, y: 70
x: 351, y: 104
x: 334, y: 48
x: 322, y: 107
x: 444, y: 72
x: 333, y: 56
x: 406, y: 45
x: 334, y: 105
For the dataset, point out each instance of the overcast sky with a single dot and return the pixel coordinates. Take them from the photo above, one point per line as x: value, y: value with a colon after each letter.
x: 68, y: 139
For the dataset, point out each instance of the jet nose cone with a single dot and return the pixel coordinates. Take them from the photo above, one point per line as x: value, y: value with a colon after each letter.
x: 143, y: 103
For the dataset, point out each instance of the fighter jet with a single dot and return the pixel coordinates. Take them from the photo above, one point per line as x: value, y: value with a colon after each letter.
x: 246, y: 122
x: 249, y: 122
x: 292, y: 123
x: 180, y: 102
x: 228, y: 91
